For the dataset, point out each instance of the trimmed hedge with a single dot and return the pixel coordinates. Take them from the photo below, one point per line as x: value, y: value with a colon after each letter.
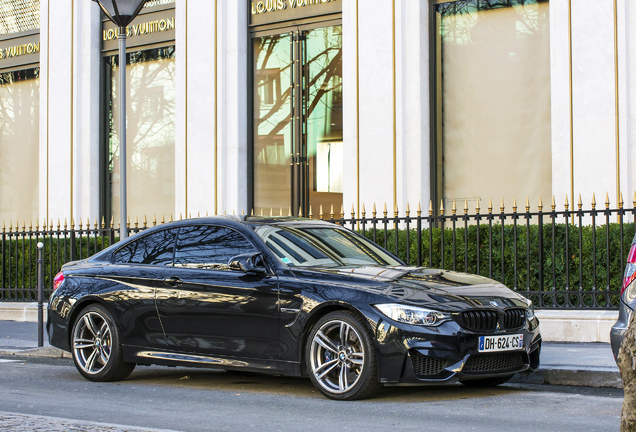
x: 585, y: 273
x: 18, y: 262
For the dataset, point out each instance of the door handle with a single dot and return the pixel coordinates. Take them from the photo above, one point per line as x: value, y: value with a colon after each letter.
x: 173, y: 281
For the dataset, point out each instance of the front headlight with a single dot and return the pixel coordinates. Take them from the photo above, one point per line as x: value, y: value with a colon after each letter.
x: 412, y: 314
x: 530, y: 314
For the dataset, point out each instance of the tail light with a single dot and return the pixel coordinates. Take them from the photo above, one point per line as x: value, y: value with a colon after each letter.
x: 630, y: 268
x: 57, y: 280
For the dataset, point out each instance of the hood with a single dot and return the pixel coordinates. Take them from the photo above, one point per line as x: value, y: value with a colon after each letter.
x: 440, y: 289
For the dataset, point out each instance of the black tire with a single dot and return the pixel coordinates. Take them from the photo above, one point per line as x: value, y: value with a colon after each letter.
x: 340, y: 357
x: 487, y: 382
x: 96, y: 346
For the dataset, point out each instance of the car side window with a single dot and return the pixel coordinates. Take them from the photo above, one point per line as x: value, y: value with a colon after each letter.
x: 210, y: 247
x: 156, y: 249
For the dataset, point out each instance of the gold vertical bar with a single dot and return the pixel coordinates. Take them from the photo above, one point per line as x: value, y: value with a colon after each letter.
x: 48, y: 97
x: 571, y: 104
x: 439, y: 125
x: 357, y: 107
x: 185, y: 51
x: 216, y: 108
x: 618, y: 166
x: 72, y: 95
x: 394, y: 114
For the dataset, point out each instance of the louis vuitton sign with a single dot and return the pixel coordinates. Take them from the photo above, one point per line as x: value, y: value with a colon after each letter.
x: 272, y: 11
x: 147, y: 29
x: 21, y: 51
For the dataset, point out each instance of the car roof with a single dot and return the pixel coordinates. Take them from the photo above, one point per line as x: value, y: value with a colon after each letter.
x: 245, y: 220
x: 235, y: 221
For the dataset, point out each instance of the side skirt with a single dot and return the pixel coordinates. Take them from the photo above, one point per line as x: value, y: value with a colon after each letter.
x: 141, y: 355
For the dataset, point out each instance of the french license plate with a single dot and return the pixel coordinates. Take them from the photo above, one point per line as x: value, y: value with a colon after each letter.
x: 500, y: 343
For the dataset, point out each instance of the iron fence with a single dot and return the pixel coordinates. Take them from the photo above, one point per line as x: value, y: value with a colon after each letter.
x: 62, y: 244
x: 557, y: 258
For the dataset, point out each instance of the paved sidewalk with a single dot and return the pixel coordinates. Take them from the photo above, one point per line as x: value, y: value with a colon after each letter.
x: 21, y: 338
x: 576, y: 364
x: 10, y: 422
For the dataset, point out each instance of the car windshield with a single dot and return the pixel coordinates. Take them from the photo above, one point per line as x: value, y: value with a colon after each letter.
x: 322, y: 247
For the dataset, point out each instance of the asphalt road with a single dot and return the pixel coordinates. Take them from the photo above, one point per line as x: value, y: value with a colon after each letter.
x: 183, y: 399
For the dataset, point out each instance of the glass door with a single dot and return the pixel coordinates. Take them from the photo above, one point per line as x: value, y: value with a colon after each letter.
x: 298, y: 146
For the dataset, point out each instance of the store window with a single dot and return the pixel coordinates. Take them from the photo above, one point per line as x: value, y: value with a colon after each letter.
x: 150, y: 135
x: 150, y: 115
x: 297, y: 151
x: 298, y: 142
x: 492, y: 113
x: 19, y: 111
x: 19, y: 138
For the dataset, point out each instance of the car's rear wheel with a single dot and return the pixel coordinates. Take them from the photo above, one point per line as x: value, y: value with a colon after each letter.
x: 341, y: 358
x: 487, y: 382
x: 96, y: 346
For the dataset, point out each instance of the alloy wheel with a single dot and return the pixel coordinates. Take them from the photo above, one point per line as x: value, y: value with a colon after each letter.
x: 337, y: 356
x: 92, y: 343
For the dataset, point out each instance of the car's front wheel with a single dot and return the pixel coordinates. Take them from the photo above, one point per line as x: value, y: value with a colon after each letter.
x: 341, y: 358
x: 96, y: 346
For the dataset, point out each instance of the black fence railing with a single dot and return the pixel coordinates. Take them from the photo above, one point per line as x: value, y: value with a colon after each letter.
x: 18, y: 253
x: 558, y: 259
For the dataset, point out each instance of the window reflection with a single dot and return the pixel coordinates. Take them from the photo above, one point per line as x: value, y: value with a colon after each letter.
x: 150, y: 134
x: 156, y: 248
x: 323, y: 111
x: 324, y: 247
x: 298, y: 142
x: 210, y: 247
x: 272, y: 121
x: 493, y: 75
x: 19, y: 145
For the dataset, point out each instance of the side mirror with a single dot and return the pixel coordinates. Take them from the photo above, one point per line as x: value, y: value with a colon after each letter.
x: 251, y: 263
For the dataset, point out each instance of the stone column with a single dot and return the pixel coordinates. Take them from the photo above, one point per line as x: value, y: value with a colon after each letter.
x: 368, y: 115
x: 69, y: 110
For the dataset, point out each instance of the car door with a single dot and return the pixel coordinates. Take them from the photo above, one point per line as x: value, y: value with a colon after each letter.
x: 207, y: 308
x: 136, y: 268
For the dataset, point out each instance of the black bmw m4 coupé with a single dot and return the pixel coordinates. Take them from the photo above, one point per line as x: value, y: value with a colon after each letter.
x: 286, y: 296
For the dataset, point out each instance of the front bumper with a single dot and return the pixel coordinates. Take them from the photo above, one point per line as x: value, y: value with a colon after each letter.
x: 449, y: 353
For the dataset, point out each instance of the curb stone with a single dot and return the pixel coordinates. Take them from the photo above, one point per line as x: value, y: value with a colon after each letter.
x: 46, y: 351
x: 572, y: 377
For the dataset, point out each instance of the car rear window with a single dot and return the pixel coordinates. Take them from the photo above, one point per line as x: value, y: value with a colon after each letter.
x: 155, y: 249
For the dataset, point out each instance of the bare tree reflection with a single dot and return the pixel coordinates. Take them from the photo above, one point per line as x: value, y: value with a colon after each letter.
x: 210, y: 247
x: 461, y: 29
x: 156, y: 248
x: 325, y: 65
x: 150, y: 131
x: 316, y: 93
